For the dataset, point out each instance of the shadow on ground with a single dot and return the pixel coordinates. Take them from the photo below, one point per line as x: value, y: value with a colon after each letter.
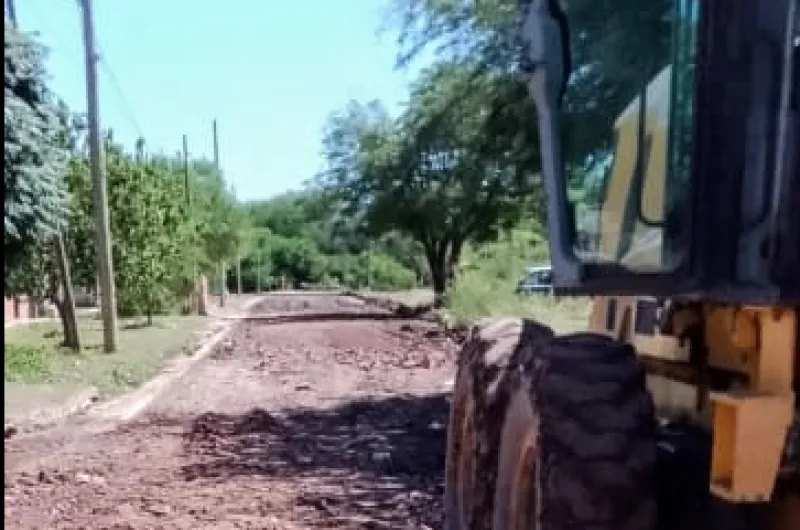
x: 372, y: 463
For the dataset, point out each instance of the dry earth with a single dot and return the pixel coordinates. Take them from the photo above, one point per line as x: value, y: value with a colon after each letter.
x: 330, y: 423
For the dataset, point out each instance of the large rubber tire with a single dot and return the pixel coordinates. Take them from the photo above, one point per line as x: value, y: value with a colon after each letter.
x: 574, y: 446
x: 480, y: 397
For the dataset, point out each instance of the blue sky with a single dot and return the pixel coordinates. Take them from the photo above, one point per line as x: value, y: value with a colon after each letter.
x: 269, y: 71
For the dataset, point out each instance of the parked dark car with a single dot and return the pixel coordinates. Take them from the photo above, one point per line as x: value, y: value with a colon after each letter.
x: 537, y: 280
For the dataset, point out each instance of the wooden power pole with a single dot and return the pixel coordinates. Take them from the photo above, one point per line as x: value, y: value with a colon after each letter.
x: 11, y: 11
x: 222, y: 269
x: 238, y: 272
x: 258, y: 269
x: 223, y: 272
x: 194, y: 300
x: 185, y: 157
x: 97, y: 169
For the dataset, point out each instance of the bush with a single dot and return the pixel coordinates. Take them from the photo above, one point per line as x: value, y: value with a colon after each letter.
x: 301, y: 262
x: 388, y: 274
x: 297, y: 258
x: 488, y: 276
x: 345, y: 270
x: 378, y: 270
x: 26, y: 363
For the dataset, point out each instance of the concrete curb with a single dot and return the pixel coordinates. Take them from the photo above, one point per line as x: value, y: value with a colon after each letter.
x: 128, y: 406
x: 50, y: 415
x: 84, y: 312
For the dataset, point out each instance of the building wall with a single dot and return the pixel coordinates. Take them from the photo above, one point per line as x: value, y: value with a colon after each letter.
x: 16, y: 308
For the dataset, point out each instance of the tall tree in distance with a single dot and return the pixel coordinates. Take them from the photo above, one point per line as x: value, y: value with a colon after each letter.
x: 434, y: 174
x: 34, y: 148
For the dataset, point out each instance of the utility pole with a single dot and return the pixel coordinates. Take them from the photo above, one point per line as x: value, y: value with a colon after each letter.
x: 97, y: 169
x: 258, y: 270
x: 222, y: 276
x: 140, y: 149
x: 369, y: 266
x: 185, y: 157
x: 11, y: 10
x: 238, y: 273
x: 194, y: 299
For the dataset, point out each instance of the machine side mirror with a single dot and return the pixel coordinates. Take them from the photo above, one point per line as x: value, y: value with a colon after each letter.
x: 796, y: 74
x: 545, y: 33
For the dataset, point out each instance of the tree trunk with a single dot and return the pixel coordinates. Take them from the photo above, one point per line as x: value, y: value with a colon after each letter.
x: 437, y: 264
x: 65, y: 306
x: 454, y: 257
x: 439, y: 286
x: 150, y: 300
x: 69, y: 324
x: 62, y: 316
x: 239, y: 275
x: 149, y: 313
x: 258, y: 271
x: 222, y: 284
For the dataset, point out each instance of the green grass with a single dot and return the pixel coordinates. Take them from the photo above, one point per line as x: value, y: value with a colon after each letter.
x: 33, y: 354
x: 485, y: 287
x: 477, y: 300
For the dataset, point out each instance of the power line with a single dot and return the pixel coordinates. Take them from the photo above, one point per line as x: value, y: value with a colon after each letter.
x: 11, y: 11
x: 55, y: 36
x: 126, y: 106
x: 104, y: 62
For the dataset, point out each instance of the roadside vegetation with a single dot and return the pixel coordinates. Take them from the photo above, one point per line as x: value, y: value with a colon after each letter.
x: 33, y: 353
x: 485, y: 285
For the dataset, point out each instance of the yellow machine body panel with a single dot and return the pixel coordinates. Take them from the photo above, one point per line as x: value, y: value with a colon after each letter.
x: 757, y: 344
x: 753, y: 415
x: 645, y: 249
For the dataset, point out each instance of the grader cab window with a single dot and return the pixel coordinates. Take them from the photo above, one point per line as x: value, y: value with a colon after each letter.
x: 629, y: 187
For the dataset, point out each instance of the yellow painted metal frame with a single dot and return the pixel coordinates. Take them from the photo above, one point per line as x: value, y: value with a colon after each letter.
x: 749, y: 424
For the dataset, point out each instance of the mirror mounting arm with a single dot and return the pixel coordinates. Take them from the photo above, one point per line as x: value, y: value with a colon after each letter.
x: 544, y: 27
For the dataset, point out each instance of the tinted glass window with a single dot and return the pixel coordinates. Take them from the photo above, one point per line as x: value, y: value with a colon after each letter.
x: 630, y: 129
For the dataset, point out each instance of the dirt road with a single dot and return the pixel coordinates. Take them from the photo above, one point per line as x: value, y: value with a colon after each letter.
x: 323, y: 424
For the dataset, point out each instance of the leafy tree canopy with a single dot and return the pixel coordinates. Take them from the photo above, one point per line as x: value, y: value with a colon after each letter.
x: 305, y: 238
x: 616, y: 47
x: 433, y: 173
x: 35, y: 148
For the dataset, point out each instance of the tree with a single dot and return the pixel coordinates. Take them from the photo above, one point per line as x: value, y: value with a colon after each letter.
x: 288, y: 215
x: 37, y: 140
x: 218, y: 218
x: 80, y: 226
x: 616, y: 48
x: 435, y: 174
x: 306, y: 238
x: 35, y: 150
x: 154, y: 234
x: 298, y: 259
x: 151, y: 217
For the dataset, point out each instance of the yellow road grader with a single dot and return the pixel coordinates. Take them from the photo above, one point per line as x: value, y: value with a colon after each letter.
x: 677, y: 409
